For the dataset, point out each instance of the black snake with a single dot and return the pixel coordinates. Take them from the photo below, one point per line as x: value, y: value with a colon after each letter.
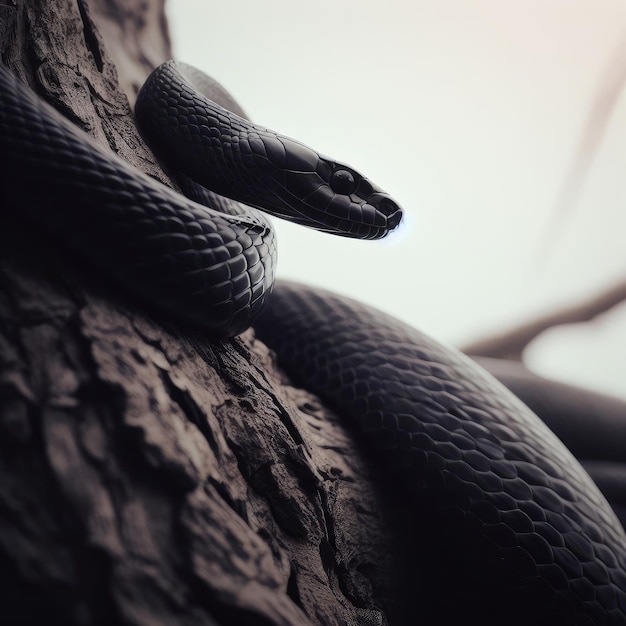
x: 512, y: 529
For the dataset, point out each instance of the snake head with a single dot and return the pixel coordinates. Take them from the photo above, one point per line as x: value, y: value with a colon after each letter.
x: 305, y: 187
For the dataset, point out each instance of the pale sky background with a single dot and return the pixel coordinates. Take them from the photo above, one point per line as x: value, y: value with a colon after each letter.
x: 468, y: 113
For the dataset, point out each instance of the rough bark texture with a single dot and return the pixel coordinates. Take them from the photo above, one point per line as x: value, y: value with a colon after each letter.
x: 148, y: 476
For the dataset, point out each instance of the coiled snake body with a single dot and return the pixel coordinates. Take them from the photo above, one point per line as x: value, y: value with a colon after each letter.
x: 520, y: 532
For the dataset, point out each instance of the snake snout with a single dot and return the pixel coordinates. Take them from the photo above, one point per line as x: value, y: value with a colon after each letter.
x: 391, y: 211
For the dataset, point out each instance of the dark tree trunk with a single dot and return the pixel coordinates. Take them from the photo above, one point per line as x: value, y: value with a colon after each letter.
x: 147, y: 475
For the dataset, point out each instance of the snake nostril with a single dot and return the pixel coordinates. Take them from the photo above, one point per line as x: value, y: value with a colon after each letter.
x: 389, y: 207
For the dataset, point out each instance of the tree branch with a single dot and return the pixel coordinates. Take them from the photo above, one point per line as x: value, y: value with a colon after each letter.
x: 512, y: 343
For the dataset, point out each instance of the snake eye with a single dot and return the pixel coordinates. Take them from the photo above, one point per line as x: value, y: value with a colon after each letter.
x: 342, y: 181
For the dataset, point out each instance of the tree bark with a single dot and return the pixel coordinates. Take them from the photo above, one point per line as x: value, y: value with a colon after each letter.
x: 147, y: 475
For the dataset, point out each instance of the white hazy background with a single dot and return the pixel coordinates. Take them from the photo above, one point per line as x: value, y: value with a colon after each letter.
x: 469, y: 113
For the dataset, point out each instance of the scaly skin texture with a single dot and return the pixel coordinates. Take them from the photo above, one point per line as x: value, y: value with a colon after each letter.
x: 512, y: 528
x: 509, y: 527
x: 176, y: 254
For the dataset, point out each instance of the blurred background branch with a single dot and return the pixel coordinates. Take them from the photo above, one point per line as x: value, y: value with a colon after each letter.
x: 512, y: 343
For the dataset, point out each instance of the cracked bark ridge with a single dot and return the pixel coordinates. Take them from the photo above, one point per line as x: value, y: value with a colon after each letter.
x: 148, y: 476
